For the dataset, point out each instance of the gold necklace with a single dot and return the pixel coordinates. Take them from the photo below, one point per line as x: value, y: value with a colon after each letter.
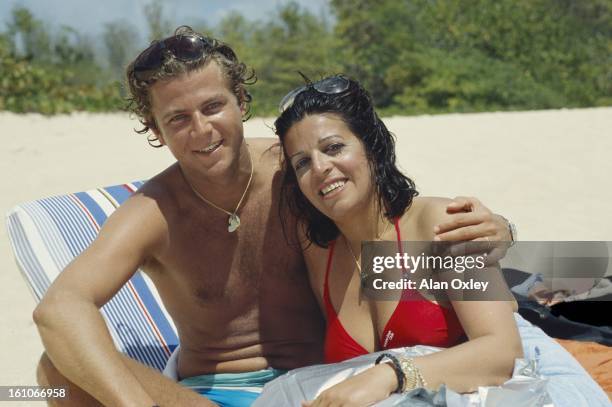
x: 346, y: 242
x: 233, y: 222
x: 384, y: 231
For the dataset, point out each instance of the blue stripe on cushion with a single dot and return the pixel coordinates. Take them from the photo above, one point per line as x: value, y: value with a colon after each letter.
x: 119, y: 192
x: 134, y: 331
x: 136, y: 322
x: 23, y: 250
x: 74, y: 226
x: 92, y: 207
x: 49, y: 234
x: 76, y: 229
x: 155, y: 311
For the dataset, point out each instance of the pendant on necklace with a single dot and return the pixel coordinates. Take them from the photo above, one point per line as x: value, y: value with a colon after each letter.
x: 233, y: 223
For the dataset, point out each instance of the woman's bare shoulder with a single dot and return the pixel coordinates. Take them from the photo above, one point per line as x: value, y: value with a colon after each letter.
x: 425, y: 213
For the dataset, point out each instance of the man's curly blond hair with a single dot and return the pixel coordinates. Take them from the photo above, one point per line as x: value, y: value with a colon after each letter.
x: 236, y: 72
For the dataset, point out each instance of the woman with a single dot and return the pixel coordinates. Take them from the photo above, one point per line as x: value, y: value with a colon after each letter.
x: 342, y: 183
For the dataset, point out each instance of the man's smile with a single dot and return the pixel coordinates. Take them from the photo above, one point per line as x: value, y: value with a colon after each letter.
x: 211, y: 147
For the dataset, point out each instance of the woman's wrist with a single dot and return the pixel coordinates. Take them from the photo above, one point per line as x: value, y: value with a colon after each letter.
x: 388, y: 376
x: 394, y: 364
x: 401, y: 373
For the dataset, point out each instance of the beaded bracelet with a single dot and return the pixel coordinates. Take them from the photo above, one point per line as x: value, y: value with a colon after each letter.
x: 397, y: 368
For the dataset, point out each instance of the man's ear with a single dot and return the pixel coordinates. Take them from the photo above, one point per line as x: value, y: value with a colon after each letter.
x: 158, y: 134
x: 242, y: 101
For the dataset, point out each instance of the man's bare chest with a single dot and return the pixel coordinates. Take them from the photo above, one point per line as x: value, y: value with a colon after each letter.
x: 219, y: 264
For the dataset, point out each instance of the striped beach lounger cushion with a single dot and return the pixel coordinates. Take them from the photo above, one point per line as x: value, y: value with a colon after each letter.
x: 47, y: 234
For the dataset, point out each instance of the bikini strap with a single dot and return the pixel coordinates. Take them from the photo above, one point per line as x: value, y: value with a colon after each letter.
x: 407, y: 292
x: 330, y: 256
x: 399, y: 236
x: 326, y: 297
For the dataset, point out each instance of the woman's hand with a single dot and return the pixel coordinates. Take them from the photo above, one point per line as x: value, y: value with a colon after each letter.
x: 364, y: 389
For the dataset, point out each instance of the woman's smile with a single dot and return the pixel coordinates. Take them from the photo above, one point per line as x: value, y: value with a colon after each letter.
x: 332, y: 188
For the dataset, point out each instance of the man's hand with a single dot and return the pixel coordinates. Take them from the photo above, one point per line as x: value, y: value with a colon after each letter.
x: 544, y: 296
x: 472, y: 221
x: 364, y: 389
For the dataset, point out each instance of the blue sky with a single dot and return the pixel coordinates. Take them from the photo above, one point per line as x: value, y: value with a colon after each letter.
x: 89, y: 16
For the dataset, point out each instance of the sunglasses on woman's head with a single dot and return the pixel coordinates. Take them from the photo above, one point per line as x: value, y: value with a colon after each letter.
x: 330, y: 86
x: 183, y: 47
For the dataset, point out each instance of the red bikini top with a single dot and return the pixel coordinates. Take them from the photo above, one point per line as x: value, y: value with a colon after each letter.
x: 413, y: 322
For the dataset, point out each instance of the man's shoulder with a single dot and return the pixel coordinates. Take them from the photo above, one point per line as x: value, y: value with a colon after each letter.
x: 140, y: 223
x: 163, y: 185
x: 262, y: 143
x: 158, y: 196
x: 266, y: 149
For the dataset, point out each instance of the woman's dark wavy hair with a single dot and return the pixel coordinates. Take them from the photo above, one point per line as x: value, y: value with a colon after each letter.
x: 354, y: 106
x: 236, y: 72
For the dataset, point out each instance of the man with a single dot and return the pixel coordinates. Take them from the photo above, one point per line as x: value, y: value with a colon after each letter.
x: 207, y: 231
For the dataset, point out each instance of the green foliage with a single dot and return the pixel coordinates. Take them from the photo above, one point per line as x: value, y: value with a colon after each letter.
x: 293, y: 40
x: 29, y: 34
x: 415, y: 56
x: 437, y: 81
x: 25, y: 87
x: 472, y: 55
x: 159, y: 25
x: 119, y: 39
x: 47, y: 73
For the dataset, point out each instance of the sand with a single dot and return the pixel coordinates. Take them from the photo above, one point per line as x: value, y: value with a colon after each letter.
x: 548, y: 171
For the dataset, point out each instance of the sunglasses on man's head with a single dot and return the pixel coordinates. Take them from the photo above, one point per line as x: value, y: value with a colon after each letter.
x: 183, y: 47
x: 330, y: 86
